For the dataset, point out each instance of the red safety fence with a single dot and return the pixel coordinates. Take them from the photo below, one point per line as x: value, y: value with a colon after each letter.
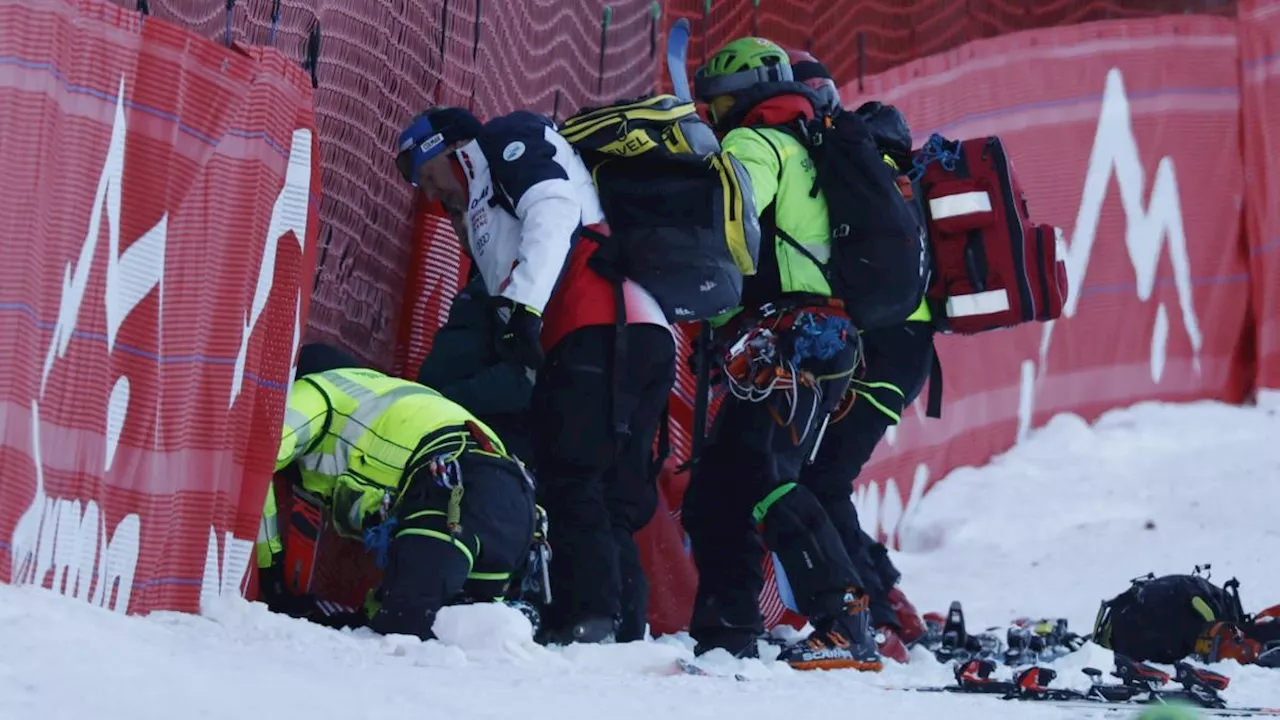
x: 377, y: 62
x: 136, y: 488
x: 160, y: 206
x: 857, y: 38
x: 1260, y: 75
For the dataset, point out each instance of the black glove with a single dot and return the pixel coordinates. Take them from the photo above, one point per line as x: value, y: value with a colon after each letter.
x: 522, y: 337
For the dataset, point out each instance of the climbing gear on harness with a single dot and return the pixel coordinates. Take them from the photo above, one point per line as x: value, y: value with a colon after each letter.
x: 767, y: 358
x: 378, y: 539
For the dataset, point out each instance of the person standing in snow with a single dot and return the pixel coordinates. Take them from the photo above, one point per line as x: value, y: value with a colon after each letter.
x: 522, y: 197
x: 792, y: 332
x: 897, y: 362
x: 416, y: 478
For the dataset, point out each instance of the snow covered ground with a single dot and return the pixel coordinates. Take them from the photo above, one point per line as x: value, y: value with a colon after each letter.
x: 1049, y: 529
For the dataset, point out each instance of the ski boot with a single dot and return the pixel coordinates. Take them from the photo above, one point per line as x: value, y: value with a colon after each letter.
x: 738, y: 642
x: 592, y: 630
x: 844, y: 641
x: 890, y: 644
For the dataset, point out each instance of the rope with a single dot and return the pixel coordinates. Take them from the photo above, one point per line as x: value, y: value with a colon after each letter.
x: 939, y: 149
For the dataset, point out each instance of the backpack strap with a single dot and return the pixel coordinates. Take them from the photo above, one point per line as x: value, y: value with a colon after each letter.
x: 783, y: 234
x: 933, y: 404
x: 621, y: 424
x: 663, y: 450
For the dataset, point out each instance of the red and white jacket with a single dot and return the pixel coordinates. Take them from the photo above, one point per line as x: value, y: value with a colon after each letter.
x: 530, y: 195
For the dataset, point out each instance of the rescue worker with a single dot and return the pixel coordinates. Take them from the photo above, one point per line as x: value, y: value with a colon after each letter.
x: 418, y: 479
x: 521, y: 197
x: 791, y: 353
x: 467, y: 366
x: 897, y: 363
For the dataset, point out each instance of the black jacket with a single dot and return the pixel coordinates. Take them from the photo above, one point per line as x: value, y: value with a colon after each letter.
x: 465, y: 366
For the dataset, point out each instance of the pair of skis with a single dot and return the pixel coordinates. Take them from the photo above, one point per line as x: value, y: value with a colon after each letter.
x: 1139, y: 684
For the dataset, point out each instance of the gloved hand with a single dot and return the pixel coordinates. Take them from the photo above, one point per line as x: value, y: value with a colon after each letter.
x: 522, y: 337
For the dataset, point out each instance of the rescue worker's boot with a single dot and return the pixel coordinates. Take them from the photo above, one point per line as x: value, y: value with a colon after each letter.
x: 843, y: 641
x: 592, y: 630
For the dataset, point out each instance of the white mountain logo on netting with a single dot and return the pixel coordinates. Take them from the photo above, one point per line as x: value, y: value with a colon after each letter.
x: 65, y: 544
x: 1115, y: 153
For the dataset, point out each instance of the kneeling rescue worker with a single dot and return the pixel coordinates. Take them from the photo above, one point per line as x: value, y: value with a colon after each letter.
x: 791, y: 352
x: 418, y: 479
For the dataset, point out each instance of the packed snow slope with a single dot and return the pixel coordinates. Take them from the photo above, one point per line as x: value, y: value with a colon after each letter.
x: 1048, y: 529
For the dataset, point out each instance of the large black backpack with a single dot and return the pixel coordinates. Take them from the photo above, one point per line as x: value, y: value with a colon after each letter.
x: 682, y: 217
x: 1158, y: 619
x: 879, y: 264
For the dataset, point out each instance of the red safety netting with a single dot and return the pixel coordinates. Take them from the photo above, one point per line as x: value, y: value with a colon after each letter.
x: 380, y: 61
x: 1260, y: 74
x: 856, y: 38
x: 160, y: 213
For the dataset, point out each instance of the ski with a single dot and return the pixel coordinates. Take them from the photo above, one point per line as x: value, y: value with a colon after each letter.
x: 1140, y: 685
x: 689, y: 667
x: 1129, y: 706
x: 678, y: 58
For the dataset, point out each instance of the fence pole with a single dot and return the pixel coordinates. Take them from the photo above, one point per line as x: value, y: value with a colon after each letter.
x: 475, y: 55
x: 312, y: 61
x: 276, y: 12
x: 862, y: 59
x: 604, y: 44
x: 706, y: 30
x: 231, y: 9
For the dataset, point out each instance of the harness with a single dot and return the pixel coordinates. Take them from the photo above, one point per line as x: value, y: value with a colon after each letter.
x: 775, y: 340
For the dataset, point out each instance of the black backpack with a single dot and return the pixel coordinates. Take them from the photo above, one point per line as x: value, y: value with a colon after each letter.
x: 1158, y: 619
x: 682, y: 217
x: 879, y: 263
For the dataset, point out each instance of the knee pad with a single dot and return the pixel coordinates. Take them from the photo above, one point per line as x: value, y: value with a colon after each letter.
x: 798, y: 530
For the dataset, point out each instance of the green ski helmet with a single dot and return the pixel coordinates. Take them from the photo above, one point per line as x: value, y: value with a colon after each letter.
x: 739, y: 65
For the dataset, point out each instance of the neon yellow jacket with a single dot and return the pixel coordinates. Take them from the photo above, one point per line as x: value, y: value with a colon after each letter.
x: 782, y: 175
x: 353, y: 432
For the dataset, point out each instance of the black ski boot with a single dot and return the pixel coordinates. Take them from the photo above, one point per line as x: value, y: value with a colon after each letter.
x: 594, y: 630
x: 843, y: 641
x: 735, y: 641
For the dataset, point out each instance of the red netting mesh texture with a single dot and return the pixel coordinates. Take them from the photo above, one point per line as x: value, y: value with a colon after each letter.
x: 140, y: 172
x: 854, y: 38
x: 380, y: 61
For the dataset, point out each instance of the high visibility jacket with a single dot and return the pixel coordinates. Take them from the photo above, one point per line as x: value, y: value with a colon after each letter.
x: 782, y: 179
x: 353, y: 433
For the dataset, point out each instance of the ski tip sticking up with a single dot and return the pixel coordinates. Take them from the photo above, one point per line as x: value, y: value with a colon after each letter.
x: 678, y: 58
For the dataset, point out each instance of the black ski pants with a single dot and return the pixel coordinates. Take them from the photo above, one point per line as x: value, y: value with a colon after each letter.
x: 898, y: 360
x: 745, y: 491
x: 429, y: 564
x: 599, y: 488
